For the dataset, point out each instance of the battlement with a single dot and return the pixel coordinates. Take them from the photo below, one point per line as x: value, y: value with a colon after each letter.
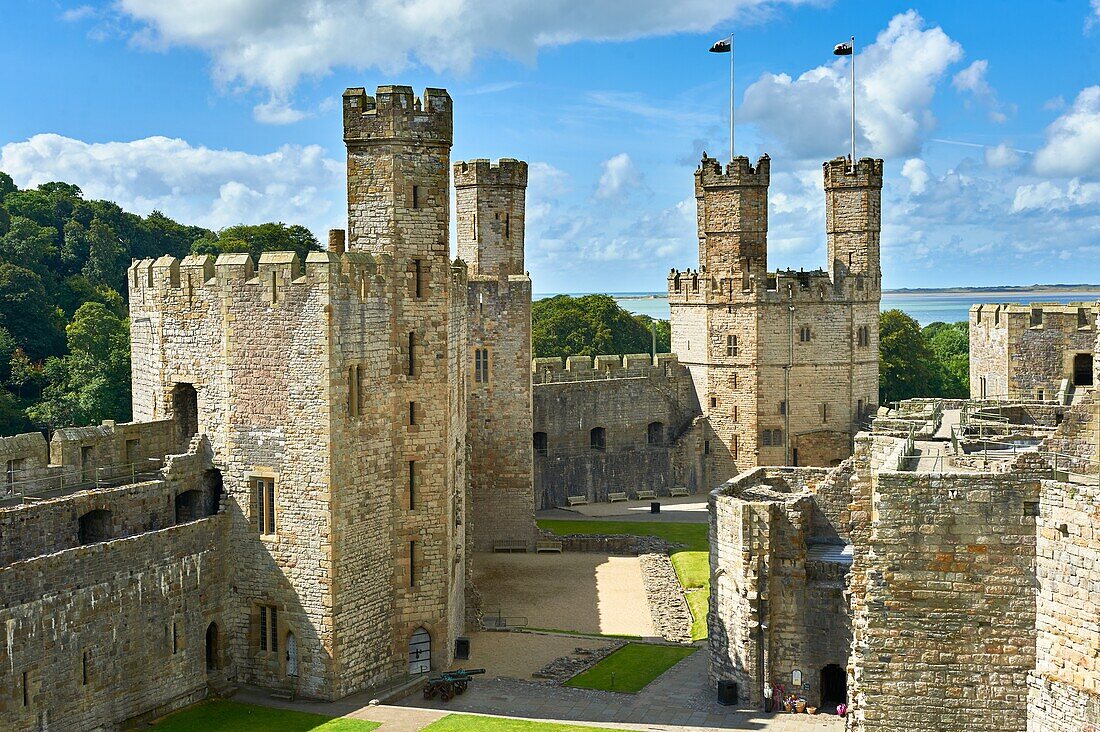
x: 738, y: 172
x: 698, y: 287
x: 482, y: 172
x: 1082, y: 313
x: 395, y: 113
x: 867, y: 174
x: 584, y: 368
x: 276, y: 276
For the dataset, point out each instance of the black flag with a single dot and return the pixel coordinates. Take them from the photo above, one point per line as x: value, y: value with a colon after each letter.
x: 722, y: 46
x: 841, y: 49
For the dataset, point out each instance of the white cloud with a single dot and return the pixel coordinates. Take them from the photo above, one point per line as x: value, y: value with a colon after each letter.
x: 274, y: 44
x: 973, y: 80
x: 73, y: 15
x: 897, y: 77
x: 619, y: 177
x: 1047, y: 196
x: 276, y: 111
x: 1001, y: 156
x: 1093, y: 18
x: 1072, y: 144
x: 916, y: 172
x: 193, y: 184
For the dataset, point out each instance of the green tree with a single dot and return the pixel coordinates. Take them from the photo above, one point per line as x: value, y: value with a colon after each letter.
x: 950, y: 342
x: 92, y: 382
x: 26, y: 312
x: 7, y: 185
x: 590, y: 325
x: 907, y: 366
x: 257, y: 239
x: 30, y: 245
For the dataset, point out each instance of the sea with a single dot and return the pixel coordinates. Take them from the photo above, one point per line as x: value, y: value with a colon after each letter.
x: 925, y: 306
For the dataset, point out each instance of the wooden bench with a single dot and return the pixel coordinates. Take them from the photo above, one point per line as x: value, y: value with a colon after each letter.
x: 673, y: 492
x: 612, y: 497
x: 547, y: 545
x: 647, y: 495
x: 577, y: 500
x: 510, y: 545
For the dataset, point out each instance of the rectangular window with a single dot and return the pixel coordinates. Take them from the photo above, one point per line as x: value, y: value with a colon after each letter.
x: 418, y: 279
x: 412, y: 354
x: 269, y: 628
x: 84, y: 668
x: 733, y: 381
x: 175, y: 639
x: 731, y: 345
x: 132, y: 449
x: 734, y: 413
x: 1082, y: 318
x: 859, y: 410
x: 265, y: 505
x: 412, y: 564
x: 540, y: 444
x: 706, y: 447
x: 765, y: 438
x: 734, y: 447
x: 416, y: 197
x: 353, y: 390
x: 412, y: 413
x: 87, y: 471
x: 824, y: 412
x: 713, y: 402
x: 1036, y: 317
x: 15, y: 472
x: 412, y: 485
x: 26, y: 690
x: 507, y: 226
x: 481, y: 365
x: 1040, y: 394
x: 783, y: 407
x: 804, y: 334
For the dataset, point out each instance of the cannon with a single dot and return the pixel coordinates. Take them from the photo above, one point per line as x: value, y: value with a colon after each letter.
x: 449, y: 683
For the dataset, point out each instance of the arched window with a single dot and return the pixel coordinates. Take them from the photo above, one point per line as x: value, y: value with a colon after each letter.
x: 655, y: 433
x: 598, y: 438
x: 213, y: 662
x: 95, y: 526
x: 540, y: 443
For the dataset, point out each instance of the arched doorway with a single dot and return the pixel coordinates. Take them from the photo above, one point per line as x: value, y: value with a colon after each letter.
x: 189, y: 506
x: 1082, y: 369
x: 212, y: 647
x: 185, y: 411
x: 420, y: 652
x: 291, y: 654
x: 834, y: 686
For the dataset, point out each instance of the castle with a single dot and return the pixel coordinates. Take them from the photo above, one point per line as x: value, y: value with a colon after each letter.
x: 318, y: 448
x: 768, y: 367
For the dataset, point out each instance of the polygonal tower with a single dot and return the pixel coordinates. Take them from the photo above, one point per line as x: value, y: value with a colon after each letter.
x: 489, y: 202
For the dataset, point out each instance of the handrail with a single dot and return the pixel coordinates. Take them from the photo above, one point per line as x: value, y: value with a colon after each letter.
x: 68, y: 477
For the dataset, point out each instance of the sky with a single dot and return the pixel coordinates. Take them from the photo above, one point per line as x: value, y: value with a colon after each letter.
x: 218, y: 112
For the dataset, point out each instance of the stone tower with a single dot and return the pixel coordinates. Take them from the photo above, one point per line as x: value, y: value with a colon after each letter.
x: 784, y: 363
x: 398, y: 208
x: 489, y: 202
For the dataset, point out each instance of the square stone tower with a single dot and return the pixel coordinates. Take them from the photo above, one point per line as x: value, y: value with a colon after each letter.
x: 785, y: 363
x: 489, y: 200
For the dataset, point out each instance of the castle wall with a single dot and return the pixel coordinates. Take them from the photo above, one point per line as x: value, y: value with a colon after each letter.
x: 1064, y: 687
x: 624, y: 400
x: 1022, y: 359
x: 90, y: 629
x: 943, y: 605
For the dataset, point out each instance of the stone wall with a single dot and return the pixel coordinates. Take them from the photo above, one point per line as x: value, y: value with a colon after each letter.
x: 114, y: 631
x: 646, y: 410
x: 942, y: 598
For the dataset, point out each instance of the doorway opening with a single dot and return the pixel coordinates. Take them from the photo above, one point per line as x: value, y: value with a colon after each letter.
x: 185, y: 410
x: 291, y: 654
x: 212, y: 647
x: 834, y: 686
x: 420, y: 652
x: 1082, y: 369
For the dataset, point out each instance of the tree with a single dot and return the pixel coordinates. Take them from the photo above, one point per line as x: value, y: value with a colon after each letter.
x: 7, y: 185
x: 27, y: 313
x: 270, y: 237
x: 92, y: 382
x: 591, y: 325
x: 907, y: 366
x: 950, y: 342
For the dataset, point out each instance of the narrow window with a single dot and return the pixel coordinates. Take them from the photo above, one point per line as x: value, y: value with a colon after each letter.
x: 265, y: 505
x: 597, y: 438
x: 695, y: 283
x: 706, y: 447
x: 731, y: 345
x: 824, y: 412
x: 418, y: 279
x: 849, y: 260
x: 481, y: 365
x: 733, y: 381
x: 412, y: 564
x: 734, y: 415
x: 981, y: 387
x: 540, y: 443
x: 474, y: 226
x: 777, y: 438
x: 804, y: 334
x: 269, y: 628
x: 1082, y: 318
x: 676, y: 282
x: 412, y: 413
x: 734, y: 447
x: 507, y: 226
x: 175, y: 639
x: 766, y: 438
x: 412, y: 485
x: 713, y: 402
x: 263, y: 627
x: 26, y: 691
x: 783, y: 407
x: 353, y: 390
x: 1040, y: 394
x: 416, y: 197
x: 274, y: 286
x: 274, y: 629
x: 84, y: 668
x: 997, y: 316
x: 412, y: 354
x: 859, y: 410
x: 1036, y: 317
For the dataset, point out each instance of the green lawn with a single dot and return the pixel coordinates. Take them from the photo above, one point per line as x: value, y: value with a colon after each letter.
x: 691, y: 561
x: 470, y: 723
x: 229, y: 716
x: 631, y: 667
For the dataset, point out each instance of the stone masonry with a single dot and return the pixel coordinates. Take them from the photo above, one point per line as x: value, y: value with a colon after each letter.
x: 784, y: 363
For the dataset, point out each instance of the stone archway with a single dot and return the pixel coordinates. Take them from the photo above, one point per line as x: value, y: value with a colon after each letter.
x: 213, y: 660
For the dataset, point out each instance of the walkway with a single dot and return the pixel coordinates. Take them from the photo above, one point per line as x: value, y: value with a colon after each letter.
x: 682, y: 509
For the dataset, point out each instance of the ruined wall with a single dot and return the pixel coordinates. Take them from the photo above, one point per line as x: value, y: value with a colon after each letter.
x: 1064, y: 687
x: 942, y: 597
x: 624, y: 397
x: 100, y: 634
x: 988, y: 352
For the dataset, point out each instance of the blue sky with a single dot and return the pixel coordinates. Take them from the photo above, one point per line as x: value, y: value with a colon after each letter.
x: 225, y: 111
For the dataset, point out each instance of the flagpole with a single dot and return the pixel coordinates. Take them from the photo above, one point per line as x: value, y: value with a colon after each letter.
x: 732, y: 97
x: 853, y: 103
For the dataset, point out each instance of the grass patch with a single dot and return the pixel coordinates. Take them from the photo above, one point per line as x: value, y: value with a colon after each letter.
x: 470, y: 723
x: 230, y: 716
x: 691, y: 561
x: 630, y: 668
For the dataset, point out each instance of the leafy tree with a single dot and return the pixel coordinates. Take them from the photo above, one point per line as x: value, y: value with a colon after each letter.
x: 591, y: 325
x: 27, y: 314
x: 7, y: 185
x: 907, y: 365
x: 30, y: 245
x: 950, y: 342
x: 5, y: 221
x: 92, y: 382
x: 257, y: 239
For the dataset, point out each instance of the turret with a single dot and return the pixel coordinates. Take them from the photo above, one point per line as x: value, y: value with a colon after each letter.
x: 853, y: 220
x: 733, y: 219
x: 490, y: 199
